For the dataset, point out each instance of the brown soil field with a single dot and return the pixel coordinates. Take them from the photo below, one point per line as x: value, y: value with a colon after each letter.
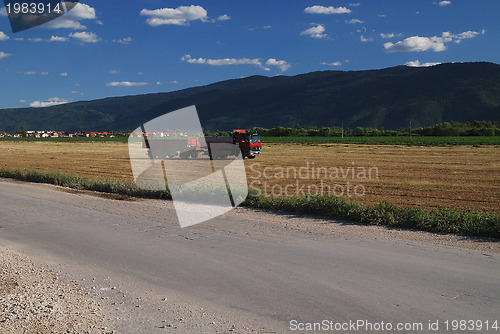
x: 456, y: 176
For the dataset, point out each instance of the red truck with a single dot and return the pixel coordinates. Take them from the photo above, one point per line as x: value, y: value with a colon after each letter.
x: 248, y: 143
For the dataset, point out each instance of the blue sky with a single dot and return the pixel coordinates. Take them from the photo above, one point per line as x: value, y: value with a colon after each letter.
x: 114, y: 48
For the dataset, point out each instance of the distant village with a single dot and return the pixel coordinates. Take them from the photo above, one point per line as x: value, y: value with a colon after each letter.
x: 56, y: 134
x: 60, y: 134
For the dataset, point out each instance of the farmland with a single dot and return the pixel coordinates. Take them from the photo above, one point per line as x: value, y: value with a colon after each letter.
x: 462, y: 176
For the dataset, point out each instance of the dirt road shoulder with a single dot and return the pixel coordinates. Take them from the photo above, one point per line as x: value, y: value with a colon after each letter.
x: 34, y: 299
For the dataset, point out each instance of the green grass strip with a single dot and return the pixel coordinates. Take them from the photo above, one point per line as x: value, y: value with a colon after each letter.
x: 441, y: 220
x: 111, y: 186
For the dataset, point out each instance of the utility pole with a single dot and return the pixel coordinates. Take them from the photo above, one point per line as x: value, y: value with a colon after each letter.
x: 342, y: 130
x: 410, y: 129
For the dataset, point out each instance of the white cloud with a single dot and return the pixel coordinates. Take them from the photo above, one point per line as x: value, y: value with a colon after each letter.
x: 64, y: 24
x: 382, y: 15
x: 85, y: 37
x: 22, y: 101
x: 353, y: 21
x: 436, y: 44
x: 335, y: 63
x: 417, y: 43
x: 64, y: 74
x: 173, y: 82
x: 54, y: 101
x: 281, y: 64
x: 326, y: 10
x: 365, y: 39
x: 124, y: 41
x: 81, y: 12
x: 126, y: 84
x: 354, y: 4
x: 71, y: 20
x: 34, y: 73
x: 443, y: 3
x: 114, y: 71
x: 176, y: 16
x: 315, y: 32
x: 224, y: 17
x: 57, y: 39
x: 3, y: 37
x: 35, y: 40
x: 465, y: 35
x: 259, y: 28
x: 416, y: 63
x: 387, y: 35
x: 224, y: 61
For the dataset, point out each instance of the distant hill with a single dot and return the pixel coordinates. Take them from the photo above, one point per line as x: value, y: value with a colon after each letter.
x: 387, y: 98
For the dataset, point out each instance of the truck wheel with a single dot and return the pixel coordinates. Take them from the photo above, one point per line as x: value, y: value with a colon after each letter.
x: 251, y: 157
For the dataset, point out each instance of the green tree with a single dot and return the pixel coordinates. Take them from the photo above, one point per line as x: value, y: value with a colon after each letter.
x: 23, y: 131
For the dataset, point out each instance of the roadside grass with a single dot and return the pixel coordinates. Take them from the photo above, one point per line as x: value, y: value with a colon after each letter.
x: 441, y: 220
x: 104, y: 185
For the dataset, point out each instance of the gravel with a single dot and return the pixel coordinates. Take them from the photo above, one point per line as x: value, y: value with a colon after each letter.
x: 33, y: 299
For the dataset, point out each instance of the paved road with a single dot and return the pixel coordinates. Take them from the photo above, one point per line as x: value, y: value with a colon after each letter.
x: 227, y: 275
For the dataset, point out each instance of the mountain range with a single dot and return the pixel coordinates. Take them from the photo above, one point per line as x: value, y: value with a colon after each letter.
x: 387, y: 98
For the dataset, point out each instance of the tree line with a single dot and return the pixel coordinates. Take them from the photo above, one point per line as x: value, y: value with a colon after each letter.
x: 446, y: 129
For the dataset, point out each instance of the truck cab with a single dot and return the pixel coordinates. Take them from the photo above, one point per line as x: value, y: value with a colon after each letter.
x: 249, y: 143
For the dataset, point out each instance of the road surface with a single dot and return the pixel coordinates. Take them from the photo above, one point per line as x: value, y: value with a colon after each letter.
x: 247, y: 271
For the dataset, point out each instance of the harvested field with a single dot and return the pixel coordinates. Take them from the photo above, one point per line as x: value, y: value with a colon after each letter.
x: 88, y: 159
x: 457, y: 176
